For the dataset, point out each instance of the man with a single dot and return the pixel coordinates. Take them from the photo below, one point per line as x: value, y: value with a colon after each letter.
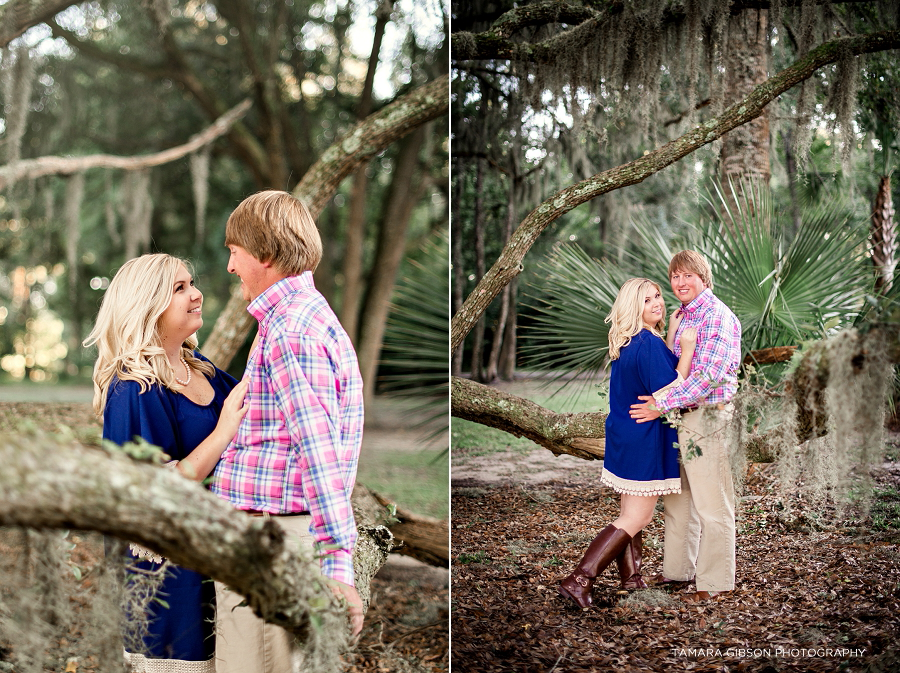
x: 700, y: 527
x: 295, y: 454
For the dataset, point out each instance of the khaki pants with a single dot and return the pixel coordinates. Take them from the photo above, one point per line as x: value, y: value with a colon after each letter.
x: 700, y: 529
x: 244, y: 642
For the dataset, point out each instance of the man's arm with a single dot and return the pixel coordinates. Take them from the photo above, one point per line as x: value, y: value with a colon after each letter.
x: 303, y: 382
x: 715, y: 361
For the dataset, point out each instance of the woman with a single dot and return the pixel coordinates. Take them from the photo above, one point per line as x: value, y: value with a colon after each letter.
x: 641, y: 461
x: 149, y: 382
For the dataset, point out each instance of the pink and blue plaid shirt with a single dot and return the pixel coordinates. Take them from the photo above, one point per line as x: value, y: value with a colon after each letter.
x: 298, y: 446
x: 713, y: 374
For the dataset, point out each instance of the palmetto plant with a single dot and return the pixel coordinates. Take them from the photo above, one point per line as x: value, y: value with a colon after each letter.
x: 569, y: 334
x: 784, y: 291
x: 417, y: 342
x: 787, y: 291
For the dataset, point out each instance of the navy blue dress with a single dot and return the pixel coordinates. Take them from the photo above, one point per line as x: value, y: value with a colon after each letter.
x: 185, y: 630
x: 640, y: 458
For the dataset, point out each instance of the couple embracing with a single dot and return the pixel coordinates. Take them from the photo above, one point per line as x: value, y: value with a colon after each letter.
x: 282, y: 444
x: 693, y: 372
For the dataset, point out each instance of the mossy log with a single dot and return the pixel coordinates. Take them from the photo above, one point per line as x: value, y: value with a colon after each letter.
x: 420, y: 537
x: 47, y: 483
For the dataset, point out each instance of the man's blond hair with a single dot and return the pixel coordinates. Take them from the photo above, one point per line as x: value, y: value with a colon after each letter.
x: 692, y: 262
x: 626, y: 316
x: 275, y: 227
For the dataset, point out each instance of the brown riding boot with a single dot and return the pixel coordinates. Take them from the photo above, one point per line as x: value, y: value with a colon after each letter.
x: 629, y: 563
x: 602, y: 551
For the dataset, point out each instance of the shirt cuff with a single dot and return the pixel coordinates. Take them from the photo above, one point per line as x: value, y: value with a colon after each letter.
x: 661, y: 397
x: 338, y: 565
x: 664, y: 391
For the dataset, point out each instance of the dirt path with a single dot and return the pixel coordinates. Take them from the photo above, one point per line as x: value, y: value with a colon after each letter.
x: 514, y: 467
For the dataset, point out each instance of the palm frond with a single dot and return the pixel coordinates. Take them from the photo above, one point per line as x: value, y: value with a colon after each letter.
x: 783, y: 291
x: 569, y: 333
x: 416, y: 341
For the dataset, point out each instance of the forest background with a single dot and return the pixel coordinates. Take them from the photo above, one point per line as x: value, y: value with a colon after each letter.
x: 132, y: 80
x: 133, y: 127
x: 589, y: 142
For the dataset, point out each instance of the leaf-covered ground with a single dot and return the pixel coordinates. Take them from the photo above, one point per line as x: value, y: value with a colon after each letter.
x: 810, y: 596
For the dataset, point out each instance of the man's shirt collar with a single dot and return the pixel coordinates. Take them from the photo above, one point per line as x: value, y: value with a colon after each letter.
x: 699, y: 301
x: 269, y: 299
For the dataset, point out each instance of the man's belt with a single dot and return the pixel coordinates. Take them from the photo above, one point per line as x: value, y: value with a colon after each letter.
x: 254, y: 512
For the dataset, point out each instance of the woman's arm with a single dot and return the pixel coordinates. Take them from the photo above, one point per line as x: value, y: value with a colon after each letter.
x: 201, y: 461
x: 674, y: 322
x: 688, y: 344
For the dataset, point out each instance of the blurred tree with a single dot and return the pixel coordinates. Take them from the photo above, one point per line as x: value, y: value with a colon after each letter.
x: 128, y: 78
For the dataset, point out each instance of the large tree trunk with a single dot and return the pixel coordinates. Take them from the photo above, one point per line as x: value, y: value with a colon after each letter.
x: 404, y: 193
x: 508, y: 354
x: 790, y: 167
x: 478, y: 222
x: 493, y: 365
x: 745, y: 149
x: 356, y: 213
x: 230, y: 331
x: 324, y: 274
x: 457, y: 261
x: 884, y: 236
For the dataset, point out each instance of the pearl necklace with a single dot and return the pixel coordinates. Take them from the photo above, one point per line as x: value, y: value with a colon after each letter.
x: 178, y: 380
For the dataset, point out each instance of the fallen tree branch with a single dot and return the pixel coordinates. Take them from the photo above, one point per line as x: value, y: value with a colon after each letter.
x: 29, y: 169
x: 582, y: 435
x: 421, y: 537
x: 509, y: 263
x: 577, y: 435
x: 49, y: 483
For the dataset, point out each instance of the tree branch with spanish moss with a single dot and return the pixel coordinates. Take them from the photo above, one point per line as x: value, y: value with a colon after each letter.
x: 29, y: 169
x: 497, y: 42
x: 509, y: 263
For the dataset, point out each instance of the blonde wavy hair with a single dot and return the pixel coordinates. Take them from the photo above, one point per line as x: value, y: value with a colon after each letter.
x: 128, y: 343
x: 625, y: 317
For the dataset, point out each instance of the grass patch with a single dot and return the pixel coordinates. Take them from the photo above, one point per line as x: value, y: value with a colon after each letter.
x: 474, y: 439
x: 885, y: 510
x: 415, y: 480
x: 479, y: 556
